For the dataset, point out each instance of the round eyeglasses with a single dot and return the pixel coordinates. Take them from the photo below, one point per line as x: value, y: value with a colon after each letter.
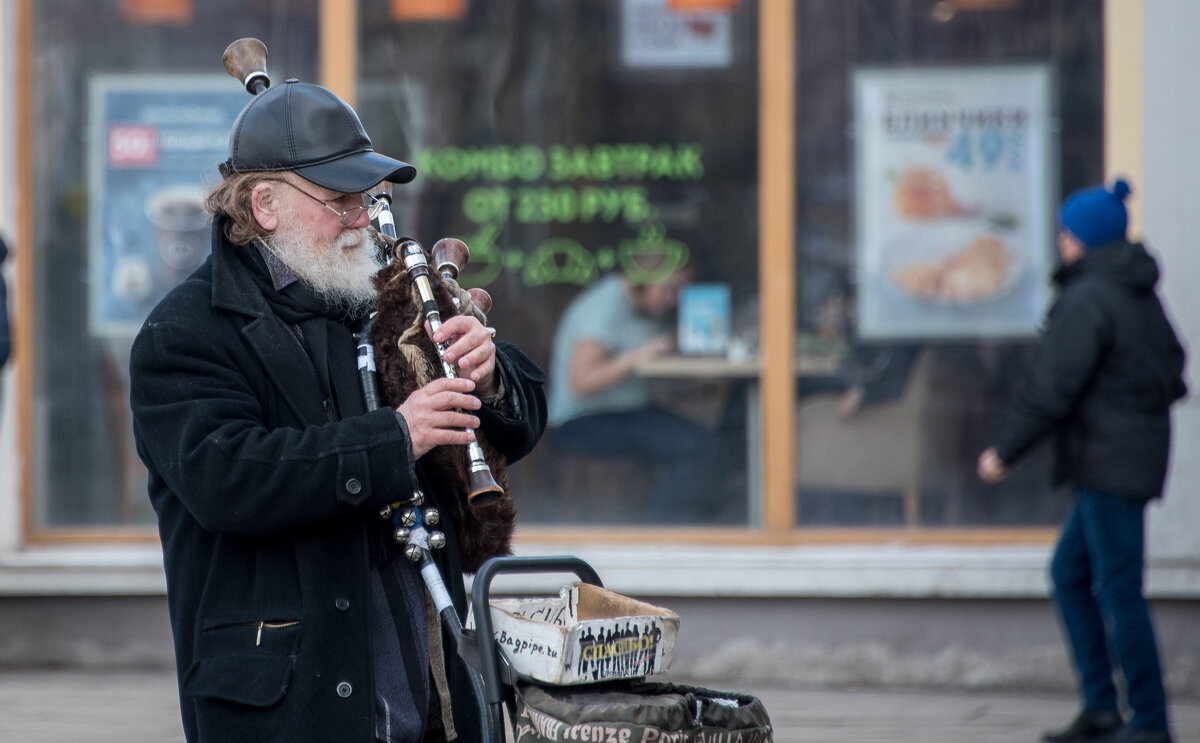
x: 371, y: 205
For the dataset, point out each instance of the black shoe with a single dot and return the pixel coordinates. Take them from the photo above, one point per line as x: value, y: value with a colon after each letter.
x: 1137, y: 735
x: 1090, y: 725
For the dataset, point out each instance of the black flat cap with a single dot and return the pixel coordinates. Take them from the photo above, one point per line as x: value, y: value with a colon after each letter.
x: 307, y: 129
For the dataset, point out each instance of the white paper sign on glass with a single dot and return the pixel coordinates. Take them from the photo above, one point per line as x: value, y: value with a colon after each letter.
x: 954, y: 172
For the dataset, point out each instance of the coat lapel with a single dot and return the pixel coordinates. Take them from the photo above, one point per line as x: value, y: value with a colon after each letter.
x: 278, y: 351
x: 288, y: 368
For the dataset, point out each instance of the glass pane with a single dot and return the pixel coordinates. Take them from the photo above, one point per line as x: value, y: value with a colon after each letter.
x: 918, y: 138
x: 120, y: 115
x: 572, y: 145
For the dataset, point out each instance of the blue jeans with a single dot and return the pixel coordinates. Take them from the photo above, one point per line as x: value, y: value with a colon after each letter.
x: 689, y: 463
x: 1097, y: 574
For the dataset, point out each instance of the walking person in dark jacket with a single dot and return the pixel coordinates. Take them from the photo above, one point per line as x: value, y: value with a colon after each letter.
x: 1106, y: 371
x: 295, y: 615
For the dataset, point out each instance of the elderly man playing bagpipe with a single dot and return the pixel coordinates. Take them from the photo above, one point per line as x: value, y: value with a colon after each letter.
x: 295, y: 614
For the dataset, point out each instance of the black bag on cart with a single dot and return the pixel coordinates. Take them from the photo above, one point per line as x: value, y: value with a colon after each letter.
x: 638, y: 712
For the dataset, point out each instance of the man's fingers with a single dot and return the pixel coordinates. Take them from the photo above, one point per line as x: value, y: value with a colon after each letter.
x: 442, y: 385
x: 438, y: 414
x: 453, y: 419
x: 470, y: 343
x: 456, y: 326
x: 456, y: 437
x: 451, y: 399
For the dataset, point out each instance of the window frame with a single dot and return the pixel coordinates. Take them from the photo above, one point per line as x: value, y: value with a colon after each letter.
x: 1123, y: 132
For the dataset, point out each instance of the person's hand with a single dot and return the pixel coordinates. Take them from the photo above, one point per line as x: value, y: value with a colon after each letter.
x: 850, y: 402
x: 471, y: 351
x: 436, y: 414
x: 991, y: 468
x: 653, y: 348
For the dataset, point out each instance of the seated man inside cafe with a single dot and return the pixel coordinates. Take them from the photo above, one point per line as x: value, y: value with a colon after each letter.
x: 600, y: 406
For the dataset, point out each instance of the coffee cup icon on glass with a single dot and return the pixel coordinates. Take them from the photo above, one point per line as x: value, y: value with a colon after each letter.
x: 181, y: 230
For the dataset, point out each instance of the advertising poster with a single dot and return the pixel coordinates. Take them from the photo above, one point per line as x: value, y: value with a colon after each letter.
x: 656, y: 35
x: 954, y: 201
x: 153, y: 147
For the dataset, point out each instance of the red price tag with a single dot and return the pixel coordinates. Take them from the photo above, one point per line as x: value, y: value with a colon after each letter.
x: 132, y: 145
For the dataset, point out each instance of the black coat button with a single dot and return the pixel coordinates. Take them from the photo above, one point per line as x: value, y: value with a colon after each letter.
x: 342, y: 603
x: 353, y: 486
x: 344, y: 689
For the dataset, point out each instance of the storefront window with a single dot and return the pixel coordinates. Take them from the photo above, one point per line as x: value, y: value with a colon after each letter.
x: 935, y: 140
x: 131, y: 115
x: 567, y: 143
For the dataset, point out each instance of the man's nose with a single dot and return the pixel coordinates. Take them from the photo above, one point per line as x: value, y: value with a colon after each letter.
x: 361, y: 219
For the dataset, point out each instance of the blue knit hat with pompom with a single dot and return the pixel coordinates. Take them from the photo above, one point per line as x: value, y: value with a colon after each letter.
x: 1097, y: 215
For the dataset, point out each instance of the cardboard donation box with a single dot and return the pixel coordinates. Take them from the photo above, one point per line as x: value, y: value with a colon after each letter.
x: 584, y: 635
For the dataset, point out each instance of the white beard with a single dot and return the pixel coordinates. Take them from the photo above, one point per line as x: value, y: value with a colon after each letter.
x: 341, y: 273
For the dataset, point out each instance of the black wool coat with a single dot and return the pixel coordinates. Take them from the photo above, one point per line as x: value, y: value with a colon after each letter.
x: 1105, y: 373
x: 268, y: 511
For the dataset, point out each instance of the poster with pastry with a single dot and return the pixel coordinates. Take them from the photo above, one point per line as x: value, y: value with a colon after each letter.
x: 953, y: 205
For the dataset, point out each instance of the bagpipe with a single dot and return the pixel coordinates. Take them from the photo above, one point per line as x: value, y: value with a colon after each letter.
x: 406, y: 359
x: 397, y: 356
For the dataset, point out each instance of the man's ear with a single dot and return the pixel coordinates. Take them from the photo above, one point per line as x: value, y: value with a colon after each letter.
x: 265, y: 204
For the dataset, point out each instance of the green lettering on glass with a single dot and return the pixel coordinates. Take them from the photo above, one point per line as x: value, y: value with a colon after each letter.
x: 606, y: 258
x: 486, y: 204
x: 583, y: 186
x: 651, y: 258
x: 560, y: 260
x: 513, y: 260
x: 561, y: 204
x: 526, y: 163
x: 487, y: 260
x: 628, y: 162
x: 599, y: 162
x: 667, y: 256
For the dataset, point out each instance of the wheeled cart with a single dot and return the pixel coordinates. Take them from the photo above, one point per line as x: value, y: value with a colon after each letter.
x: 630, y: 710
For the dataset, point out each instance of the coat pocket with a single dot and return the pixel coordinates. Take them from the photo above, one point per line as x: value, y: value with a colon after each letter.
x: 245, y: 662
x: 245, y: 678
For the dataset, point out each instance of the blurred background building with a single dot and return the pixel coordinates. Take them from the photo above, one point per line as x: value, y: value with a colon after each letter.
x: 832, y: 166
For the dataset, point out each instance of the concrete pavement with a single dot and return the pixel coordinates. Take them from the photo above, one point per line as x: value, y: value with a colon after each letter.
x: 141, y: 707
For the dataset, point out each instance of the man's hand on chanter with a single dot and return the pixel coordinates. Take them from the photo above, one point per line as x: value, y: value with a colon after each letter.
x: 436, y: 414
x: 471, y: 351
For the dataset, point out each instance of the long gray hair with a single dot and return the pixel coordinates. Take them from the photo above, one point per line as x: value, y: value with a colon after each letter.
x: 232, y: 198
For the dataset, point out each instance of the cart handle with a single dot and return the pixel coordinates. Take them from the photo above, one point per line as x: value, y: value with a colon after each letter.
x: 481, y: 591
